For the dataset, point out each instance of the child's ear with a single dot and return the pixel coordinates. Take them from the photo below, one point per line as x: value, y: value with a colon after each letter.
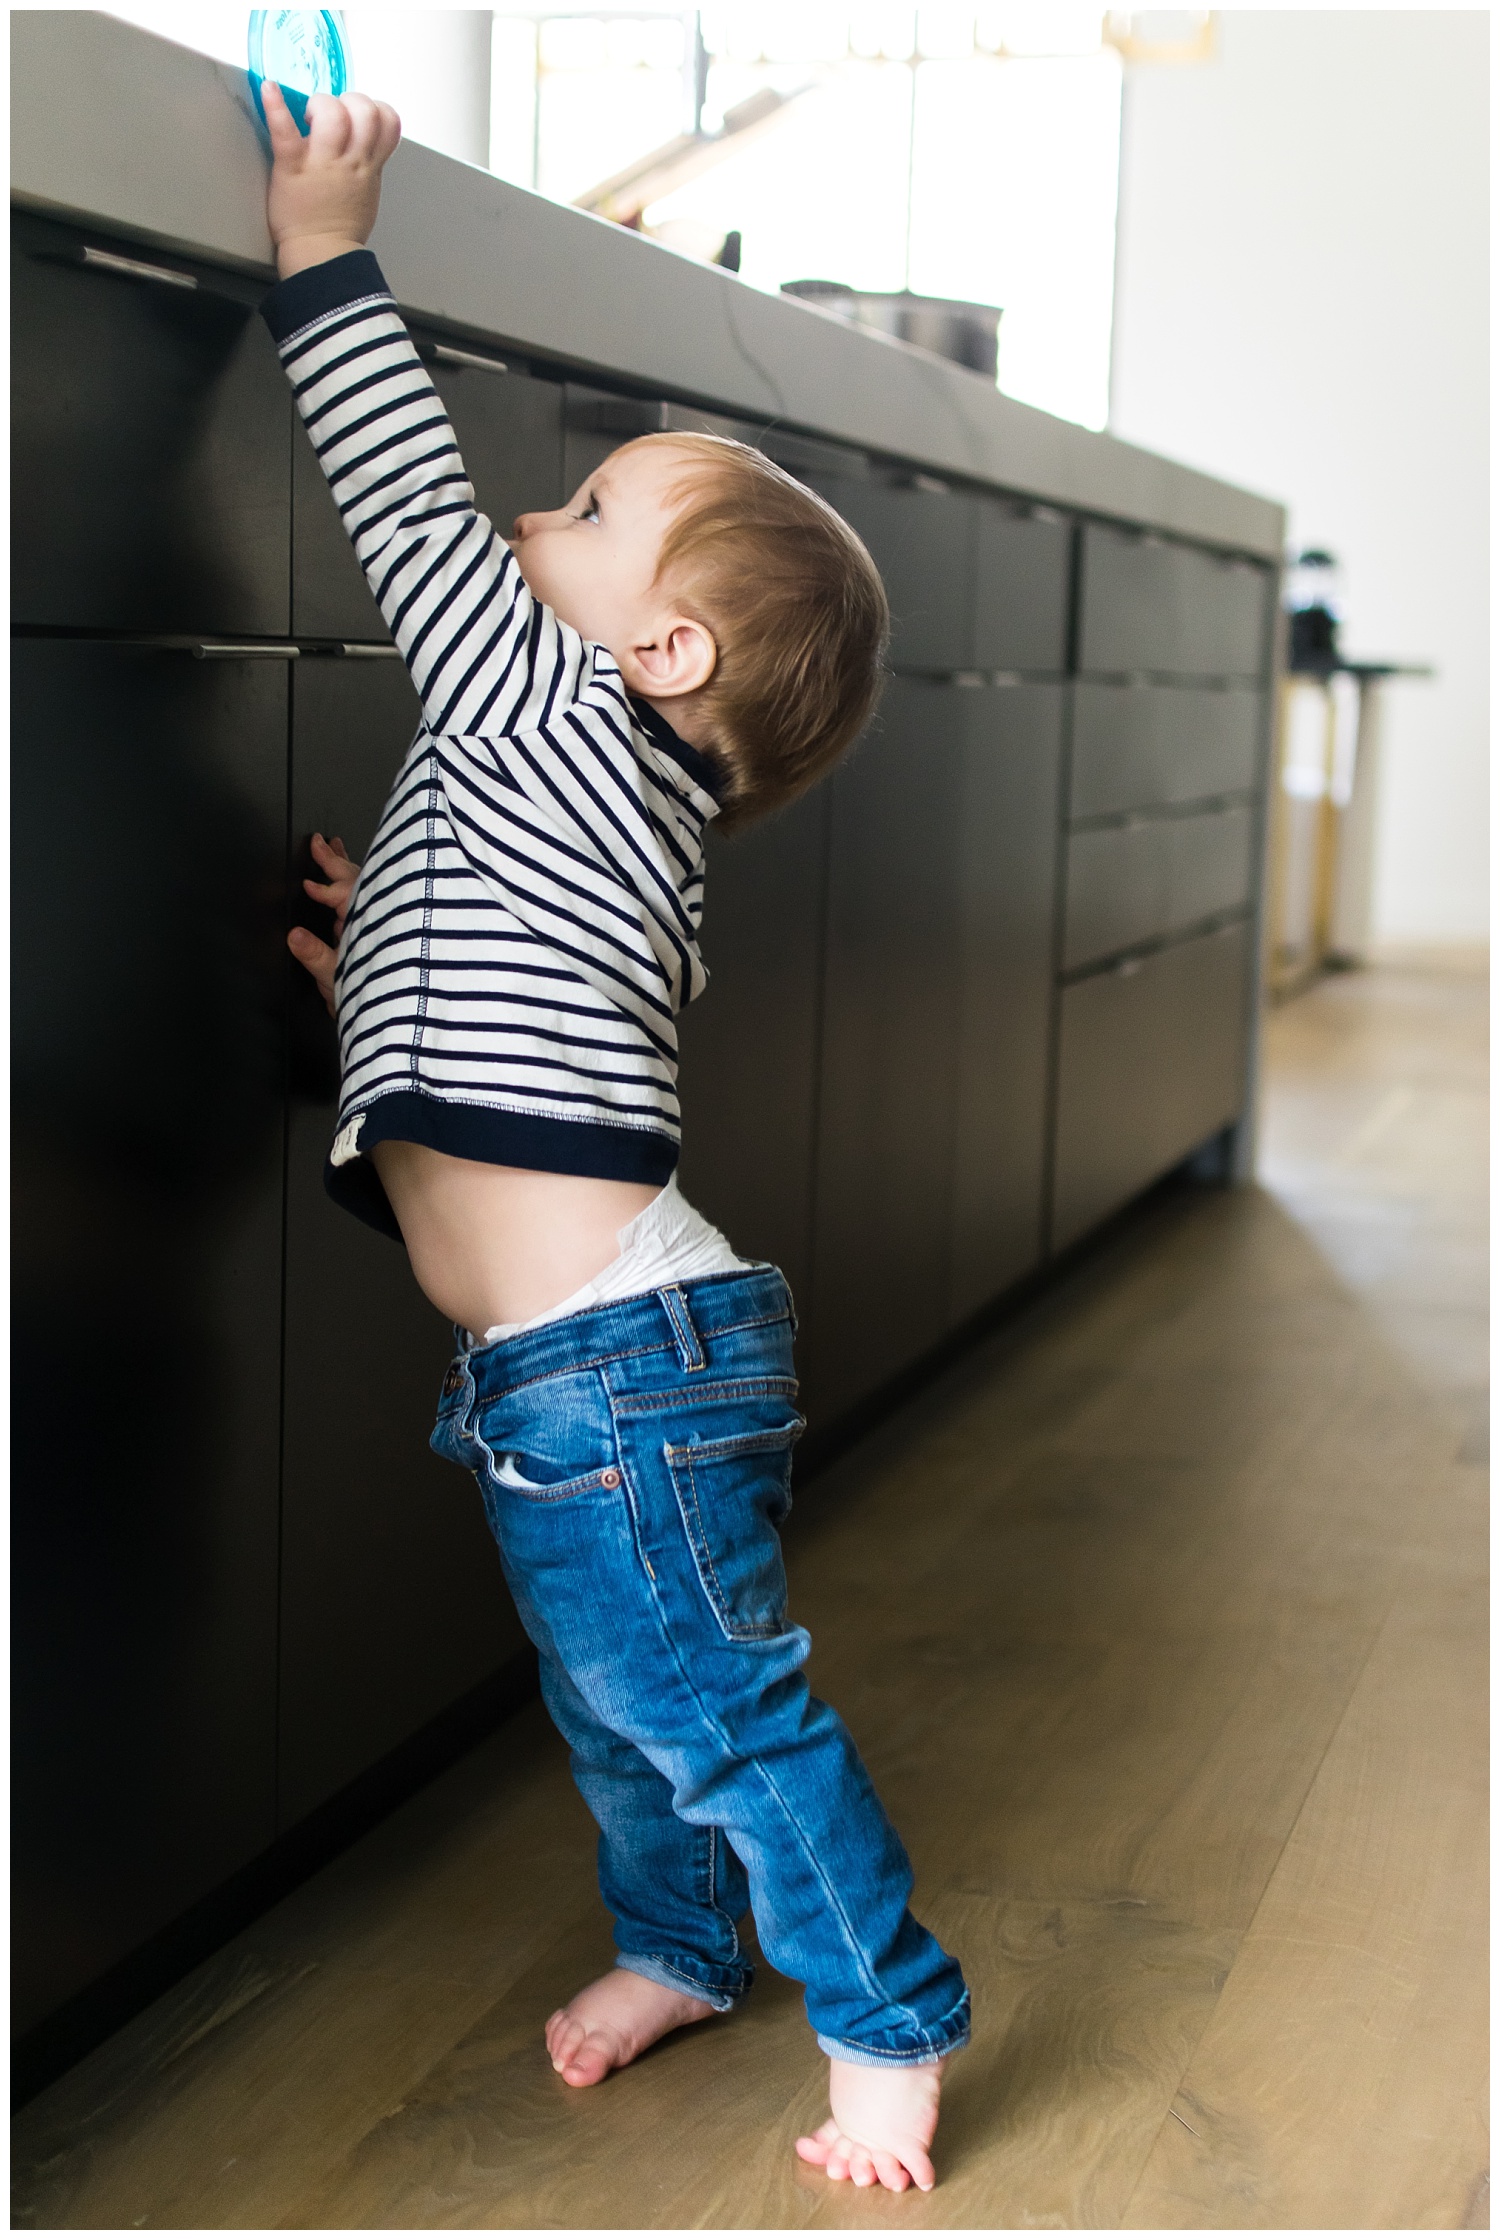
x: 680, y: 658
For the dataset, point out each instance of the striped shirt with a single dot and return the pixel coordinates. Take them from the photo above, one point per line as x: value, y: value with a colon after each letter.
x: 525, y: 926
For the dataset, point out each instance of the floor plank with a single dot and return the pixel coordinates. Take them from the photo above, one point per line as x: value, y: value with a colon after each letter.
x: 1340, y: 2081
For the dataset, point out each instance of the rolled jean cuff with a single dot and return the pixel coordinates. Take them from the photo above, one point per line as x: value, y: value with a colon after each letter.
x: 660, y: 1971
x: 863, y: 2057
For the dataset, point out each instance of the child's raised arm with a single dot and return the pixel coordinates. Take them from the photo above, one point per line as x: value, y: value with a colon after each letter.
x: 485, y: 658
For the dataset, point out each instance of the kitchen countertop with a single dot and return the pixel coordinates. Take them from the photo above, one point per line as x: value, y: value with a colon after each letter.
x: 113, y: 125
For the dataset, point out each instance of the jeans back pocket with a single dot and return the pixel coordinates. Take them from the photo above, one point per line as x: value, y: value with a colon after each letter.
x: 733, y: 1493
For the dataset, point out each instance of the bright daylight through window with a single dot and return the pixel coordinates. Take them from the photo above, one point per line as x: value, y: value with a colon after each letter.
x: 957, y: 152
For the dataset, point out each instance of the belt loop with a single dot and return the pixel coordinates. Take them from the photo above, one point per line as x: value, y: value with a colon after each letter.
x: 689, y: 1345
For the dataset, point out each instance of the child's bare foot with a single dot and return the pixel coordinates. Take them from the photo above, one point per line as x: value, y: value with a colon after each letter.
x: 881, y: 2127
x: 607, y: 2024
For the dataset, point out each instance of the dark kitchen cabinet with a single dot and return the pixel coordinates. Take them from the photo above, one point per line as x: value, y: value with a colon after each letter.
x: 508, y: 427
x: 1010, y: 744
x: 1138, y: 882
x: 151, y: 443
x: 889, y: 1060
x: 1211, y: 866
x: 1151, y: 1062
x: 149, y: 817
x: 392, y: 1600
x: 922, y: 541
x: 1146, y: 746
x: 749, y: 1079
x: 1119, y: 886
x: 1151, y: 605
x: 597, y: 422
x: 1022, y: 564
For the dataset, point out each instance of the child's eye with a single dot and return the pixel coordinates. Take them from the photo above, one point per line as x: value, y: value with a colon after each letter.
x: 589, y: 510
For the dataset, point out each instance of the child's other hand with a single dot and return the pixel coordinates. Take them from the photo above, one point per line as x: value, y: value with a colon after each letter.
x: 332, y: 857
x: 325, y: 190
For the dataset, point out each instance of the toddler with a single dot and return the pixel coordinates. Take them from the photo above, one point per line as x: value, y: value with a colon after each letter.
x: 693, y: 635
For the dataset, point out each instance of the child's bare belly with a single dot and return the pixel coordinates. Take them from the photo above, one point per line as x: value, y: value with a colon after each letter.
x: 501, y: 1244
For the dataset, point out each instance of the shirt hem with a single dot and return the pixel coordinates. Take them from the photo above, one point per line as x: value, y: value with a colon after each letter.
x: 493, y: 1138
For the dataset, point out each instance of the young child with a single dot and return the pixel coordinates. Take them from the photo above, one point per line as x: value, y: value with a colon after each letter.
x: 693, y: 635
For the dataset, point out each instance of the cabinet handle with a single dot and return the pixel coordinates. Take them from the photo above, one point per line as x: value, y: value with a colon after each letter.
x: 371, y: 653
x: 205, y: 651
x: 446, y: 355
x: 105, y: 260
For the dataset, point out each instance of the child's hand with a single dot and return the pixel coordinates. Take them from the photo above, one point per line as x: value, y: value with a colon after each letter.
x: 325, y: 190
x: 333, y: 857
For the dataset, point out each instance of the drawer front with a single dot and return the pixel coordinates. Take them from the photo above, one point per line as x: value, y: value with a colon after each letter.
x: 1011, y: 741
x: 922, y: 541
x: 892, y: 1006
x: 151, y: 454
x: 1171, y: 609
x: 1151, y: 746
x: 1210, y: 866
x: 1021, y: 572
x: 148, y: 1050
x: 1119, y: 890
x: 1151, y: 1062
x: 392, y: 1605
x: 509, y: 432
x: 749, y: 1079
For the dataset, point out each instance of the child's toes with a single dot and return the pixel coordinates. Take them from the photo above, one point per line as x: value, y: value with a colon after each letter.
x: 889, y: 2170
x: 919, y: 2162
x: 814, y: 2148
x: 862, y: 2166
x: 839, y: 2153
x: 565, y: 2036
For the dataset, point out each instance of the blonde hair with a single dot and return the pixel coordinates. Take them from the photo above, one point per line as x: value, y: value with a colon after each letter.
x: 798, y: 613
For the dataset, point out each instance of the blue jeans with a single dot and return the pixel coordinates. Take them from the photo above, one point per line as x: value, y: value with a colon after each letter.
x: 635, y: 1462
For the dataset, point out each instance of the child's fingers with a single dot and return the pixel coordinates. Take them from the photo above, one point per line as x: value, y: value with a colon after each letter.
x: 284, y: 136
x: 390, y: 132
x: 334, y: 858
x: 335, y: 896
x: 329, y: 125
x: 317, y: 958
x: 364, y: 125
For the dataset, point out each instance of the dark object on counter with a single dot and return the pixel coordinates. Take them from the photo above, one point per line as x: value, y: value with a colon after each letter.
x: 968, y: 333
x: 1314, y: 612
x: 729, y: 250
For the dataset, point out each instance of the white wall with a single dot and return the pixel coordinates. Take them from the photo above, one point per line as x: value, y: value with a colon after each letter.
x: 1303, y: 307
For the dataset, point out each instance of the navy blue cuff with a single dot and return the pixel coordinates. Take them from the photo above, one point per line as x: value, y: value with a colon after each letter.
x: 321, y: 288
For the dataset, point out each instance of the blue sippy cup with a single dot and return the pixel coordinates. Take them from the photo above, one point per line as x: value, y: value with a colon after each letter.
x: 304, y: 50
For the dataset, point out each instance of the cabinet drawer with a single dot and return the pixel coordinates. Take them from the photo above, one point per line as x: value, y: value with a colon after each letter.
x: 147, y: 1128
x: 1210, y: 865
x: 509, y: 433
x: 749, y: 1079
x: 392, y: 1601
x: 892, y: 1004
x: 1011, y: 741
x: 1149, y: 605
x: 1021, y: 570
x: 922, y: 541
x: 150, y: 454
x: 1151, y: 1062
x: 1119, y: 889
x: 1148, y: 746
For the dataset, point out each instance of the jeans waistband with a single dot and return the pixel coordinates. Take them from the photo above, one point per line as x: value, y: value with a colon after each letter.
x: 674, y: 1319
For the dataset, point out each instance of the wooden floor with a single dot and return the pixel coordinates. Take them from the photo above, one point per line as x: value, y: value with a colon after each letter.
x: 1162, y: 1625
